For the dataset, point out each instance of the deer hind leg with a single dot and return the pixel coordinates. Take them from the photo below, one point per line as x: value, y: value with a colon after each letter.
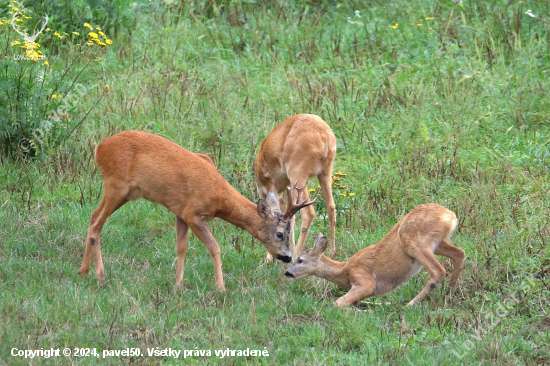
x: 457, y: 255
x: 424, y: 255
x: 357, y: 292
x: 325, y: 181
x: 112, y: 200
x: 182, y: 231
x: 200, y: 229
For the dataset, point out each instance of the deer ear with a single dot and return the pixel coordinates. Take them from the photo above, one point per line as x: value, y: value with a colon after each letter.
x: 320, y: 244
x: 264, y: 210
x: 273, y: 201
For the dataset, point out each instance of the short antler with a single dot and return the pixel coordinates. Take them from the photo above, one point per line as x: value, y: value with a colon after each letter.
x: 295, y: 207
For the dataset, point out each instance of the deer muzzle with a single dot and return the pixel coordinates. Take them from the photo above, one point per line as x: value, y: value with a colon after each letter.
x: 284, y: 258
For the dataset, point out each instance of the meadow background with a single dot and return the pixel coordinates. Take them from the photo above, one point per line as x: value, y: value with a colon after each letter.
x: 430, y: 102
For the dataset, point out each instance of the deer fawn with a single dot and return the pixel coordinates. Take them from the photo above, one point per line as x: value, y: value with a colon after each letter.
x: 300, y: 147
x: 380, y: 268
x: 142, y: 165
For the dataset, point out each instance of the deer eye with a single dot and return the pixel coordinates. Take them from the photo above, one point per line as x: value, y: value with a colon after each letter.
x: 300, y: 261
x: 280, y: 235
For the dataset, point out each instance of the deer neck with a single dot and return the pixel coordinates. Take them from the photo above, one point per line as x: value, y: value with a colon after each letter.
x: 242, y: 213
x: 333, y: 271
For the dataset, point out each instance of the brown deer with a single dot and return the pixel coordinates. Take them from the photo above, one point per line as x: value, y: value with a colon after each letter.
x: 136, y: 165
x: 300, y: 147
x: 380, y: 268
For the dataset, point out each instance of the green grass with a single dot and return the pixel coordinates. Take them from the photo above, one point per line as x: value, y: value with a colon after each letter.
x: 458, y: 115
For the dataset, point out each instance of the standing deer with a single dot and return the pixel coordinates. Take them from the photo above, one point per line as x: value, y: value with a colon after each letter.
x: 380, y: 268
x: 136, y: 165
x: 300, y: 147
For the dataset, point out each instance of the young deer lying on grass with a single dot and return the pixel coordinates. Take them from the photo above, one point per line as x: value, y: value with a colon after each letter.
x: 142, y: 165
x: 380, y: 268
x: 300, y: 147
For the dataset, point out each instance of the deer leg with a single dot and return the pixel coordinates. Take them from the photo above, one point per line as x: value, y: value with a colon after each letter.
x: 325, y: 181
x: 200, y: 229
x: 456, y: 254
x: 112, y: 200
x: 181, y: 246
x: 357, y: 292
x: 308, y: 213
x: 424, y: 255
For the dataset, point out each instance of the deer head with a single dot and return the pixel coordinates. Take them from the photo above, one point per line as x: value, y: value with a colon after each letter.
x: 29, y: 39
x: 309, y: 262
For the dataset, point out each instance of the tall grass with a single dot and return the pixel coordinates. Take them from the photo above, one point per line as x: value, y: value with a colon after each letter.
x: 452, y: 110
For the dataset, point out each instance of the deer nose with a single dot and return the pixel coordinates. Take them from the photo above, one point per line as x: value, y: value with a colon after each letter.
x: 284, y: 258
x: 288, y: 274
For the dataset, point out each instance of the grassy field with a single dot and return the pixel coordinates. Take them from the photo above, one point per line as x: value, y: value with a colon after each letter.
x: 429, y: 101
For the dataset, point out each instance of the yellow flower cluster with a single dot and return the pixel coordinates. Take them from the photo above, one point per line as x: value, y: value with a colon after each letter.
x: 94, y: 37
x: 31, y: 50
x: 338, y: 176
x: 416, y: 24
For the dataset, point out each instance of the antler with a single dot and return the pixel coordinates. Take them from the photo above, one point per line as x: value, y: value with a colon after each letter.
x: 28, y: 38
x: 295, y: 207
x: 14, y: 28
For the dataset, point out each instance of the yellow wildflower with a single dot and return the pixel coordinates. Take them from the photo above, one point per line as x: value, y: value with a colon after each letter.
x: 102, y: 34
x: 430, y: 28
x: 46, y: 63
x: 108, y: 41
x: 343, y: 194
x: 420, y: 25
x: 48, y: 29
x: 335, y: 178
x: 102, y: 44
x: 54, y: 96
x: 107, y: 88
x: 312, y: 189
x: 90, y: 43
x: 14, y: 8
x: 318, y: 186
x: 58, y: 35
x: 19, y: 20
x: 75, y: 33
x: 429, y: 18
x: 351, y: 194
x: 15, y: 43
x: 93, y: 35
x: 26, y: 17
x: 89, y: 26
x: 59, y: 96
x: 395, y: 26
x: 100, y: 58
x: 343, y: 187
x: 98, y: 28
x: 1, y: 23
